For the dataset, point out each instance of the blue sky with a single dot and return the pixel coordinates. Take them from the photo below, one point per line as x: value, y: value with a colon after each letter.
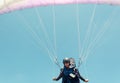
x: 24, y: 60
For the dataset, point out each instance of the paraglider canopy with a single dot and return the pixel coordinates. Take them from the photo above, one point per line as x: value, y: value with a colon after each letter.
x: 11, y: 5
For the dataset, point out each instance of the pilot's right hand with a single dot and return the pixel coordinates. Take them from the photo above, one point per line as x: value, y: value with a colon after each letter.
x: 54, y: 79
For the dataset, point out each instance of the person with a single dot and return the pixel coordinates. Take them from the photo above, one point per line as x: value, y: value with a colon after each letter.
x: 68, y: 74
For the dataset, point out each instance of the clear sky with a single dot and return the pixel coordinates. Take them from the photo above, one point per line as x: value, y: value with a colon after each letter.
x: 24, y: 60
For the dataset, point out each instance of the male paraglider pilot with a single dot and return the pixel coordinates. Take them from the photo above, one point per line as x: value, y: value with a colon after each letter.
x: 69, y: 74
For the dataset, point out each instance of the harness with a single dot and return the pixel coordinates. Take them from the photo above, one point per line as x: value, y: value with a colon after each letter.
x: 70, y: 73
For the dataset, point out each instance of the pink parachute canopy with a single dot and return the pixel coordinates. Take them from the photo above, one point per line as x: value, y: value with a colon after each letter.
x: 11, y: 5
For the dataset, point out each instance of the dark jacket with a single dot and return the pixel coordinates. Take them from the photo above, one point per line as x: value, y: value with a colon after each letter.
x: 66, y: 78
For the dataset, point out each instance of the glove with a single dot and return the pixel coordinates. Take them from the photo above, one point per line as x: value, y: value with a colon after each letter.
x: 54, y: 79
x: 86, y: 80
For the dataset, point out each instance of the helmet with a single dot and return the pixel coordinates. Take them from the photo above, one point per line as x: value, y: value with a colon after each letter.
x: 72, y: 62
x: 66, y: 60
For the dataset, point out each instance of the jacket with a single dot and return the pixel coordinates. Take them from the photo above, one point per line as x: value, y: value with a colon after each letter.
x: 67, y: 78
